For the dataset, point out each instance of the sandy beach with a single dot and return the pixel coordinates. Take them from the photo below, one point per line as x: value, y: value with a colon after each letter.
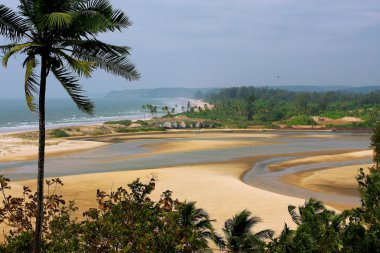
x: 339, y: 180
x: 17, y: 149
x: 215, y: 187
x: 336, y: 157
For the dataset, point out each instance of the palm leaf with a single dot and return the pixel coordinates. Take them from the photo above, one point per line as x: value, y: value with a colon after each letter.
x: 116, y: 65
x: 265, y: 234
x: 75, y: 91
x: 101, y: 14
x: 12, y: 26
x: 82, y: 68
x: 31, y: 83
x: 295, y: 216
x: 15, y: 49
x: 57, y: 20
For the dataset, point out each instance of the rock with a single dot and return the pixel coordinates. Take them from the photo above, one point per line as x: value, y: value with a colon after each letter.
x: 174, y: 125
x: 182, y: 124
x: 197, y: 125
x: 167, y: 125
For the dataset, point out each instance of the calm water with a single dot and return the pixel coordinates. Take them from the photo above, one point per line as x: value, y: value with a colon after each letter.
x: 106, y: 159
x: 15, y: 116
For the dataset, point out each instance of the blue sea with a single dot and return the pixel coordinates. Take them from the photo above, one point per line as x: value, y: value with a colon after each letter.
x: 15, y: 115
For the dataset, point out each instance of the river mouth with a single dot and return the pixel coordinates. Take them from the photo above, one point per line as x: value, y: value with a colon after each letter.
x: 278, y: 143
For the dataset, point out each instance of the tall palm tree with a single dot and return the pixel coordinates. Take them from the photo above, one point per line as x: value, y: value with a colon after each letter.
x: 238, y: 234
x: 60, y: 37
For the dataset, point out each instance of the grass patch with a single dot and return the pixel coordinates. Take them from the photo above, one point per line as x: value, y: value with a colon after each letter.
x: 119, y: 122
x: 140, y: 129
x: 59, y: 133
x: 301, y: 120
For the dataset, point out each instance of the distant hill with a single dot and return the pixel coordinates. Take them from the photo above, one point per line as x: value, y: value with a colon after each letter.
x: 162, y: 93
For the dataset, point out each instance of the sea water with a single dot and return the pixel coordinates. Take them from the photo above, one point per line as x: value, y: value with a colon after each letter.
x: 15, y: 115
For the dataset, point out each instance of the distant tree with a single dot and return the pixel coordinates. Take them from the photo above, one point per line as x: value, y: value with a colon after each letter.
x: 143, y: 109
x: 188, y: 106
x: 249, y: 100
x: 166, y: 110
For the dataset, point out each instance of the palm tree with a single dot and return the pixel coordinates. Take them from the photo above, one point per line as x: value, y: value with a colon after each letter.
x: 60, y: 37
x: 238, y: 234
x: 198, y: 220
x: 318, y: 227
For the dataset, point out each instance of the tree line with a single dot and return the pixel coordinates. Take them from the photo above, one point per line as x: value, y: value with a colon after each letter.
x: 265, y: 105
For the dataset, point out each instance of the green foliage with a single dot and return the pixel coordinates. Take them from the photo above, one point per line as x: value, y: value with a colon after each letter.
x: 59, y: 133
x: 125, y: 221
x: 264, y: 106
x: 139, y: 129
x: 142, y: 123
x: 300, y: 120
x: 375, y: 143
x: 239, y: 235
x: 119, y: 122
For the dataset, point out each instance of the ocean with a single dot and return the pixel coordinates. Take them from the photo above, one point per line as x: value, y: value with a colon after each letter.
x: 15, y: 115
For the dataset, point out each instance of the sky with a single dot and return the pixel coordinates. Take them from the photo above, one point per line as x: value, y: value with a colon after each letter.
x: 221, y: 43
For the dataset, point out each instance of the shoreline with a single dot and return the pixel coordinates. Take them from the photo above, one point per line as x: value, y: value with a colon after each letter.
x: 96, y: 121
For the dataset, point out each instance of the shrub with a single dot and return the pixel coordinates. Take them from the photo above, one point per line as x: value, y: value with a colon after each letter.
x: 300, y: 120
x: 119, y: 122
x: 59, y: 133
x: 140, y: 129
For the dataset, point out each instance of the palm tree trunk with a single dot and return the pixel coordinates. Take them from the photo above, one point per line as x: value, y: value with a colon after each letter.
x: 41, y: 159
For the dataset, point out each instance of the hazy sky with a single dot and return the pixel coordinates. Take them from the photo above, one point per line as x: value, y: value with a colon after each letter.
x: 199, y: 43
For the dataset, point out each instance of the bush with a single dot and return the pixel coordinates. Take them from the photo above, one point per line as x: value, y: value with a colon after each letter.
x: 126, y: 220
x: 140, y: 129
x: 300, y: 120
x: 59, y: 133
x: 119, y: 122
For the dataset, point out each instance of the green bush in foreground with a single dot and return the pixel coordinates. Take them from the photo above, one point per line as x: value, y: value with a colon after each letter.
x: 59, y: 133
x: 119, y: 122
x: 129, y: 221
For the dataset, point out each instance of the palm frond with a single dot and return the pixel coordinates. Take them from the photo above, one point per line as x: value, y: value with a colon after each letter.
x: 295, y: 216
x: 101, y: 17
x: 31, y: 83
x: 15, y: 49
x: 82, y: 68
x: 116, y: 65
x: 75, y: 91
x: 265, y: 234
x: 12, y: 26
x: 57, y: 20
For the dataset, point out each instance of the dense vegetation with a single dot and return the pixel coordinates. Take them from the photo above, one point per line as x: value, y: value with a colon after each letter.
x: 129, y: 221
x: 264, y: 106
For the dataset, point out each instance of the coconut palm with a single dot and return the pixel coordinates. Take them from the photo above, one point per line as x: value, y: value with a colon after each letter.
x: 198, y: 221
x: 238, y: 234
x: 318, y: 227
x: 60, y: 38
